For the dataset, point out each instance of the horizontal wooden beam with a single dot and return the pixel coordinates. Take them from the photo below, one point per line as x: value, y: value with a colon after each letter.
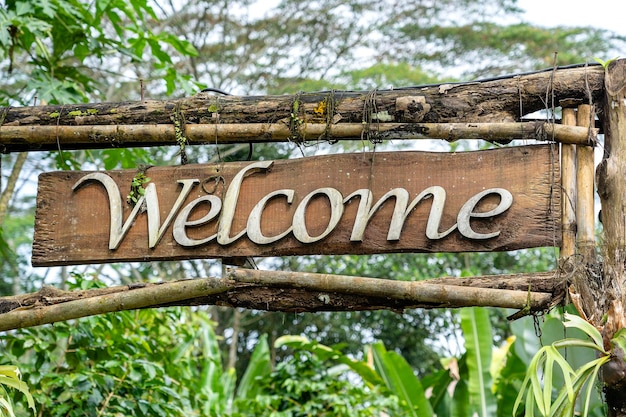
x: 501, y: 100
x: 285, y: 291
x: 45, y: 138
x: 413, y: 292
x: 66, y: 305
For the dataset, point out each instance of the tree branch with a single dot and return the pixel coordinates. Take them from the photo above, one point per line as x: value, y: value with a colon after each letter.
x: 6, y: 195
x: 51, y: 305
x: 407, y: 112
x: 99, y: 136
x: 417, y: 292
x: 285, y: 291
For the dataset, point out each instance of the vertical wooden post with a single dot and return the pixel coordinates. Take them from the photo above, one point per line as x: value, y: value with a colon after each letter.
x: 568, y: 191
x: 611, y: 173
x: 585, y: 222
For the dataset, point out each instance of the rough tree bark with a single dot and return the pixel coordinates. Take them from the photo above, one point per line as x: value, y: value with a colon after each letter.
x: 326, y: 114
x: 611, y: 177
x: 286, y: 291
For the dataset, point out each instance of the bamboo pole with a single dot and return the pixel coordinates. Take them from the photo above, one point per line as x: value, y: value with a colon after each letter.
x: 585, y: 240
x: 568, y: 190
x: 128, y: 300
x: 413, y: 291
x: 282, y: 291
x: 50, y: 137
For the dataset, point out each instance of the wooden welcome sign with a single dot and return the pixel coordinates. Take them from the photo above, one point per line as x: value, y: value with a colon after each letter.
x: 361, y: 203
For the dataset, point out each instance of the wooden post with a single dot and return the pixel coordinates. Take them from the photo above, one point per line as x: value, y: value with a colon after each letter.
x: 611, y: 173
x: 585, y: 240
x: 584, y: 286
x: 568, y: 190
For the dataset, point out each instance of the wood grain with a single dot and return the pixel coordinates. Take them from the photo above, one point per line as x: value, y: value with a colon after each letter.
x: 72, y: 227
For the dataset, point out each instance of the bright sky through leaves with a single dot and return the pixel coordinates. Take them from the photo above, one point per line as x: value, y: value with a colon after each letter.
x: 600, y: 14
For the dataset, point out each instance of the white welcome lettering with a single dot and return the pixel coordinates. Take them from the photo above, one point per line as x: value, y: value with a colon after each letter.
x: 223, y: 212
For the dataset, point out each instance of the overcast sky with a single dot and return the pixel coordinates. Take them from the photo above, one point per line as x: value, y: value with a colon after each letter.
x: 604, y: 14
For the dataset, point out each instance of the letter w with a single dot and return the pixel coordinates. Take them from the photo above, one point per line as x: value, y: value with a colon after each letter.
x: 118, y: 230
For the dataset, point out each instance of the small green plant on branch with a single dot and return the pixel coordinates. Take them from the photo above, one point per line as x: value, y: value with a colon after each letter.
x: 605, y: 63
x: 537, y: 388
x: 137, y: 189
x: 296, y: 121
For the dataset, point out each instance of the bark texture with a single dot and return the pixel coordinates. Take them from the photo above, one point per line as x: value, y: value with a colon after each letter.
x: 610, y: 297
x: 500, y: 100
x: 286, y: 291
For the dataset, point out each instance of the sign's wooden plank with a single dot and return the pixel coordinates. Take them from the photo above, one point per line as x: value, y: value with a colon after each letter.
x: 493, y: 200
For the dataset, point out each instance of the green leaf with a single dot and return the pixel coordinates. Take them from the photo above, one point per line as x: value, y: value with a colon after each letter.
x: 229, y: 381
x: 438, y: 383
x: 182, y: 46
x: 460, y: 407
x: 591, y: 383
x: 547, y: 373
x: 604, y: 63
x: 543, y: 377
x: 259, y: 366
x: 325, y: 353
x: 211, y: 365
x: 10, y: 371
x: 401, y: 381
x: 22, y: 8
x: 619, y: 339
x: 509, y: 379
x: 574, y: 321
x: 7, y: 406
x: 48, y: 8
x: 10, y: 377
x: 101, y: 7
x: 157, y: 50
x: 566, y: 370
x: 478, y: 345
x: 586, y: 374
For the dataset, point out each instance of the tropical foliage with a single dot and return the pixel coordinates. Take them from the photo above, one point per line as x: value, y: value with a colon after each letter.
x: 10, y: 378
x: 538, y: 384
x: 167, y: 362
x: 147, y: 363
x: 170, y: 362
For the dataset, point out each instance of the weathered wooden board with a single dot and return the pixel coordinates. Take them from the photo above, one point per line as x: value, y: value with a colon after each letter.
x: 493, y: 200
